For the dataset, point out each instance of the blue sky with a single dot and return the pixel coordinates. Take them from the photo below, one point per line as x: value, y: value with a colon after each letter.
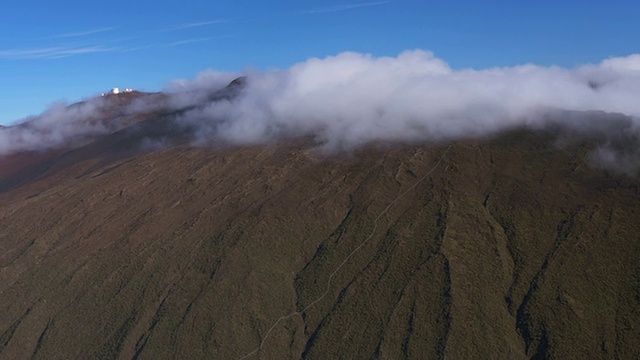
x: 67, y: 50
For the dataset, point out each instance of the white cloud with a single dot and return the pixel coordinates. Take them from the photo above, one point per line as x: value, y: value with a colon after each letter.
x: 350, y: 99
x: 60, y: 125
x: 353, y: 98
x: 629, y: 63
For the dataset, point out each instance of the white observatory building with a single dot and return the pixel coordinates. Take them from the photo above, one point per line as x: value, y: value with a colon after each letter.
x: 116, y: 91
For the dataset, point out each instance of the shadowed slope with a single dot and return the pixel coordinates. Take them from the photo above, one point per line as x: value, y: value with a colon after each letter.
x: 111, y: 115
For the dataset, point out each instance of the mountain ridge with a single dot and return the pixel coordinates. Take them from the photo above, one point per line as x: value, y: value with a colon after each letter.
x: 117, y: 249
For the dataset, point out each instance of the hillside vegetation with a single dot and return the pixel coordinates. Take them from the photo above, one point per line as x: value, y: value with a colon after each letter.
x: 511, y: 248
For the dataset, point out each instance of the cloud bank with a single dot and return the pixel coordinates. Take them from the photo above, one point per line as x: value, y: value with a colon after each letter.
x: 60, y: 126
x: 351, y: 99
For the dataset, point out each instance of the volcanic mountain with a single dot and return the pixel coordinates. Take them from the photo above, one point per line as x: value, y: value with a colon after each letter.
x: 135, y: 243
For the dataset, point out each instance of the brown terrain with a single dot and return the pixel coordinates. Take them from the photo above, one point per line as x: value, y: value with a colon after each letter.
x: 509, y: 248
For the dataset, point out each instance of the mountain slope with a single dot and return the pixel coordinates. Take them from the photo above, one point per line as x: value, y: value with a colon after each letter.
x: 509, y: 248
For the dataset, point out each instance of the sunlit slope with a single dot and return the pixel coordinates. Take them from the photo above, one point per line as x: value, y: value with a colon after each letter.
x: 510, y: 248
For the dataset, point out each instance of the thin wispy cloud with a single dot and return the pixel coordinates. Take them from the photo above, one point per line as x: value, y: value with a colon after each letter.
x: 82, y: 33
x: 83, y: 50
x: 197, y: 24
x: 196, y: 40
x: 205, y: 23
x: 60, y: 50
x: 338, y: 8
x: 56, y: 52
x: 173, y: 44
